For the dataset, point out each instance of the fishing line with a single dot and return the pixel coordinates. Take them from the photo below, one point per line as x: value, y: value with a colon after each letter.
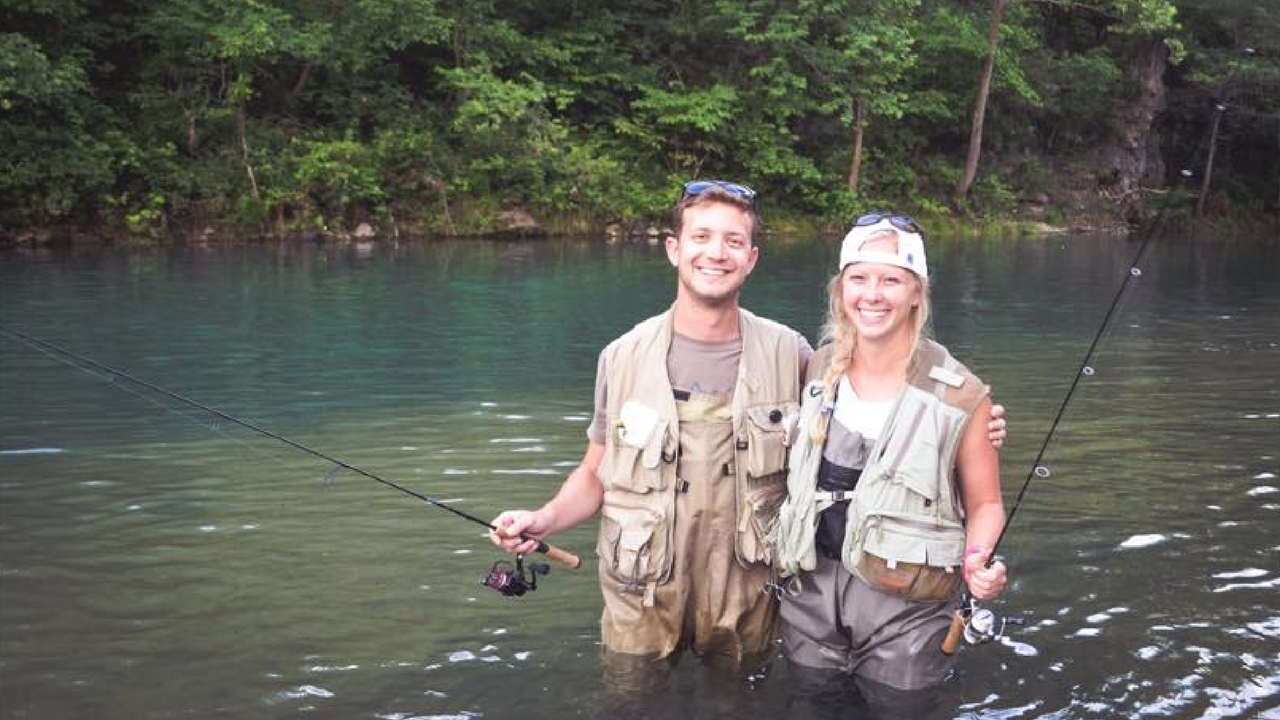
x: 83, y: 363
x: 111, y: 379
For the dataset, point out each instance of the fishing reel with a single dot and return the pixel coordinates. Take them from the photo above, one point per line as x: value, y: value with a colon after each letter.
x: 985, y: 626
x: 513, y: 581
x: 977, y: 625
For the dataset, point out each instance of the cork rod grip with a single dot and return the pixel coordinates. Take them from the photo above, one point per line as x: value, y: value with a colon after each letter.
x: 563, y: 557
x: 952, y: 641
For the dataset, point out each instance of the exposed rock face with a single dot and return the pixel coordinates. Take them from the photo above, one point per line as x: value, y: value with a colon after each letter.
x: 1133, y: 155
x: 364, y: 231
x: 518, y: 221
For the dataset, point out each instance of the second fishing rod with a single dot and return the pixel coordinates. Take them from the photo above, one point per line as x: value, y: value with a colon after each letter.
x: 978, y: 625
x: 501, y: 578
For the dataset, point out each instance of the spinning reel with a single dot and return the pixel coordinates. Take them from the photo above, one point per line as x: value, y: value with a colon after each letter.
x: 513, y: 581
x: 985, y: 626
x: 977, y: 625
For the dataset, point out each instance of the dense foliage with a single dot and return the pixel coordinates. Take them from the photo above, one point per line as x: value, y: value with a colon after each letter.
x: 281, y: 116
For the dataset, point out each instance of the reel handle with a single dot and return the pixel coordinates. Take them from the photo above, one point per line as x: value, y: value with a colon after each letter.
x: 564, y: 557
x: 954, y: 633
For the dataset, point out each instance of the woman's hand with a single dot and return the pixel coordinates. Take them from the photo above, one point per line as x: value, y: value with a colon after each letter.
x: 985, y: 583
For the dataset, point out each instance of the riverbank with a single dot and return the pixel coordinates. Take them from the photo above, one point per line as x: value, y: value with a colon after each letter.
x: 69, y: 235
x: 1033, y: 219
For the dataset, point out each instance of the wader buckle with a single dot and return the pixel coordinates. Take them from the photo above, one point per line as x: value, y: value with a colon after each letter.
x: 778, y: 587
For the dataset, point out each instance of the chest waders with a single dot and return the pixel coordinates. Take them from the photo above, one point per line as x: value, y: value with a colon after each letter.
x: 881, y: 610
x: 690, y: 487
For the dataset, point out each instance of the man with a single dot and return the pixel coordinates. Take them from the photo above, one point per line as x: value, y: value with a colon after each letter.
x: 686, y: 459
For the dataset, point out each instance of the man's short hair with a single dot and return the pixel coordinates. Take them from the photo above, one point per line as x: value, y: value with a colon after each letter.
x: 715, y: 195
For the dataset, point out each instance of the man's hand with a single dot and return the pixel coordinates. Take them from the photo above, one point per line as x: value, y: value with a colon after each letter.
x: 996, y: 428
x: 514, y: 523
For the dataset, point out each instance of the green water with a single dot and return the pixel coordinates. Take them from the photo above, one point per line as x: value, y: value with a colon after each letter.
x: 155, y: 563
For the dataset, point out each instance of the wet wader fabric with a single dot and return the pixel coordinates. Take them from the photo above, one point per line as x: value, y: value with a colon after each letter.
x: 819, y: 694
x: 711, y: 602
x: 837, y: 622
x: 904, y: 540
x: 690, y: 488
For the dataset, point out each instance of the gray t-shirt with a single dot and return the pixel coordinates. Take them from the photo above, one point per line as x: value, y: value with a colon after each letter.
x: 695, y: 368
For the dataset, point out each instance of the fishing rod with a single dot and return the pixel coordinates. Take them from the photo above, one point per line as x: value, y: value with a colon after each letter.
x: 979, y: 625
x: 507, y: 580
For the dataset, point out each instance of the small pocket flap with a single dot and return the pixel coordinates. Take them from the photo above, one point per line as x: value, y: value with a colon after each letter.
x: 768, y: 435
x: 773, y: 418
x: 896, y: 547
x: 618, y: 468
x: 634, y: 539
x: 919, y: 472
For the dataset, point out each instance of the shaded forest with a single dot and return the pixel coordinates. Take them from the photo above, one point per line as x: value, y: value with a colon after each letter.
x: 416, y: 117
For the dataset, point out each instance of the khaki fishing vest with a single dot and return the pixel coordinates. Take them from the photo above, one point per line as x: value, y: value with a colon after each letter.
x: 906, y: 507
x: 642, y: 443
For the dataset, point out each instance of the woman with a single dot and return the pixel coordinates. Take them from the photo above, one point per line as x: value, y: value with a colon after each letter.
x: 894, y: 492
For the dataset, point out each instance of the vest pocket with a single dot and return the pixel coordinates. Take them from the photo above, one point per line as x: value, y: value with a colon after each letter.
x: 634, y: 469
x: 759, y: 513
x: 918, y: 472
x: 633, y: 546
x: 915, y: 560
x: 767, y: 431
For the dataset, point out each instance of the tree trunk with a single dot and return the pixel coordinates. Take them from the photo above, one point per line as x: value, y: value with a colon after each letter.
x: 980, y: 107
x: 1208, y: 163
x: 244, y: 151
x: 1132, y: 153
x: 302, y: 80
x: 855, y: 165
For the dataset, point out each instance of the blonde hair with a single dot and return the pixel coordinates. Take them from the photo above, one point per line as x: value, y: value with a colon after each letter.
x: 839, y: 331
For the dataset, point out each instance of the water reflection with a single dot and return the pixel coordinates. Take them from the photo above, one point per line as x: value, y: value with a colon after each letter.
x: 152, y: 568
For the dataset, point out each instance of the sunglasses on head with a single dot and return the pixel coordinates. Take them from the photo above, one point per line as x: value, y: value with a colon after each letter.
x: 697, y: 187
x: 901, y: 222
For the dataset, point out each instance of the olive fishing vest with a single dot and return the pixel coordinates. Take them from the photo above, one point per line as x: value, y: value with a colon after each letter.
x: 905, y: 507
x: 642, y: 445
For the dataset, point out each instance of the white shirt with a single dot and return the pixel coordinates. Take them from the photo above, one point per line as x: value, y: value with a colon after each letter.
x: 866, y: 417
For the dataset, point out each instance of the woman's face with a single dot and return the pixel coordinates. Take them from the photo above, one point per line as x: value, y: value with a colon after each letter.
x: 880, y: 300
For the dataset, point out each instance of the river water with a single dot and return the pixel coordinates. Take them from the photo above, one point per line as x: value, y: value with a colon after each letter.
x: 155, y: 563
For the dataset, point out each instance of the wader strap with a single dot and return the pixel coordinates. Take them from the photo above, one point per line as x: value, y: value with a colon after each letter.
x: 824, y: 499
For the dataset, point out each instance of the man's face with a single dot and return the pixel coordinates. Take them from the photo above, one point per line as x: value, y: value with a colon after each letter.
x: 714, y: 254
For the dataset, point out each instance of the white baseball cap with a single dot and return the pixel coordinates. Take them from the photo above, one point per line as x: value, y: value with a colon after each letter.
x: 910, y: 254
